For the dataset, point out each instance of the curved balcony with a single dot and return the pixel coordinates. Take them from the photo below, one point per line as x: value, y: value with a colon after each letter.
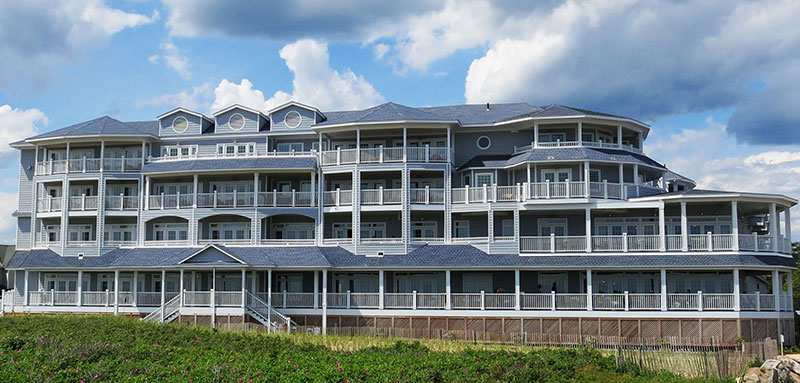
x: 232, y: 200
x: 650, y: 243
x: 576, y: 144
x: 551, y: 190
x: 379, y: 155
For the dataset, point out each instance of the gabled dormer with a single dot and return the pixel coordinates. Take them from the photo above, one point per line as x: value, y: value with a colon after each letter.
x: 237, y: 119
x: 294, y: 116
x: 183, y: 122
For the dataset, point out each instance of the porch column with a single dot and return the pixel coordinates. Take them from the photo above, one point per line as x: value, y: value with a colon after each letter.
x: 213, y: 298
x: 528, y: 186
x: 586, y: 178
x: 787, y: 222
x: 194, y: 188
x: 116, y: 292
x: 791, y: 291
x: 163, y: 286
x: 135, y: 287
x: 449, y: 143
x: 635, y: 174
x: 316, y: 289
x: 621, y: 175
x: 381, y: 289
x: 580, y: 134
x: 181, y: 288
x: 324, y: 301
x: 269, y: 287
x: 662, y: 230
x: 80, y: 287
x: 776, y: 289
x: 25, y: 288
x: 737, y: 298
x: 144, y: 155
x: 588, y: 216
x: 448, y: 301
x: 146, y: 196
x: 244, y: 287
x: 313, y: 187
x: 103, y: 152
x: 735, y: 224
x: 517, y: 291
x: 358, y: 145
x: 535, y: 137
x: 405, y: 145
x: 663, y: 290
x: 684, y: 228
x: 773, y: 226
x: 619, y: 136
x: 589, y: 289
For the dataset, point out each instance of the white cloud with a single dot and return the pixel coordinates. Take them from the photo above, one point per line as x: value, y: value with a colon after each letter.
x: 173, y: 58
x: 380, y: 51
x: 8, y: 204
x: 228, y: 93
x: 315, y: 83
x: 17, y: 124
x: 716, y: 161
x: 39, y: 34
x: 199, y: 99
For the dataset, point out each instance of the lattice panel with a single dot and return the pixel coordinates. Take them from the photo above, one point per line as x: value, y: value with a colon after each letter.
x: 590, y: 327
x: 670, y: 328
x: 712, y: 328
x: 651, y: 329
x: 629, y: 328
x: 609, y: 327
x: 690, y: 328
x: 570, y: 326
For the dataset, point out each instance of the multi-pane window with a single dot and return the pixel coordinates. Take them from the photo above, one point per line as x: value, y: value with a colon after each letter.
x: 230, y: 230
x: 462, y: 228
x: 179, y: 151
x: 285, y: 147
x: 170, y: 231
x: 426, y: 229
x: 236, y: 149
x: 484, y: 179
x: 373, y: 230
x: 342, y: 230
x: 80, y: 233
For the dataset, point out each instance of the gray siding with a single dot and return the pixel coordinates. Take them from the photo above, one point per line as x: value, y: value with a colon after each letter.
x: 196, y: 125
x: 23, y: 233
x: 251, y: 122
x: 502, y: 143
x: 309, y: 117
x: 26, y: 169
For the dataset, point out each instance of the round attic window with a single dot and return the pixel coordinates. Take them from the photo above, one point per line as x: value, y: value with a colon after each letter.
x: 236, y: 122
x: 292, y: 119
x: 180, y: 124
x: 483, y: 142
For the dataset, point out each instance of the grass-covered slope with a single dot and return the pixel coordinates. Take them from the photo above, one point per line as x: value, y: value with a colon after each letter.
x: 116, y: 349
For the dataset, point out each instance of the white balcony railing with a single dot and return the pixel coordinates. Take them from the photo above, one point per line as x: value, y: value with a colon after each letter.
x: 548, y: 190
x: 338, y: 197
x: 381, y: 196
x: 424, y: 154
x: 122, y: 202
x: 572, y: 144
x: 221, y: 241
x: 426, y: 196
x: 89, y: 165
x: 83, y: 203
x: 49, y: 204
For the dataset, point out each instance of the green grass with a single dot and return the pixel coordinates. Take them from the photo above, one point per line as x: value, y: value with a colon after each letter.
x: 116, y: 349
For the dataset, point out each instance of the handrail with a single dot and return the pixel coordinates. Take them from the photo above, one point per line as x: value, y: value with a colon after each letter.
x: 165, y: 311
x: 263, y: 309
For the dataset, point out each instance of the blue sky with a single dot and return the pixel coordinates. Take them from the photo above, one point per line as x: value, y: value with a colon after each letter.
x: 718, y: 80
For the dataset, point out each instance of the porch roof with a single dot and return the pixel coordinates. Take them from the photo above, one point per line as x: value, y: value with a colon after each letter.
x: 428, y: 256
x: 560, y: 154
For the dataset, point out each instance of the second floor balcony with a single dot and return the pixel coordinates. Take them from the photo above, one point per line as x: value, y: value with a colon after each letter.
x: 218, y: 200
x: 88, y: 165
x: 378, y: 155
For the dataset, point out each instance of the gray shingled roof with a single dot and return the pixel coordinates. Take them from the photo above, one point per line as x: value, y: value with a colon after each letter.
x: 231, y: 164
x: 104, y: 126
x: 385, y: 112
x: 559, y: 154
x: 477, y: 114
x: 429, y: 256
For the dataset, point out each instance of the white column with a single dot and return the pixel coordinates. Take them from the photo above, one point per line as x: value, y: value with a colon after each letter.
x: 790, y: 292
x: 144, y: 155
x: 103, y: 152
x: 663, y: 290
x: 244, y: 287
x: 580, y: 133
x: 135, y: 288
x: 737, y: 298
x: 588, y: 216
x: 405, y: 145
x: 773, y: 226
x: 381, y: 289
x: 269, y: 287
x: 163, y: 286
x: 181, y: 287
x: 313, y: 187
x: 776, y: 288
x: 619, y: 135
x: 116, y: 292
x: 517, y: 290
x: 80, y: 287
x: 449, y: 143
x: 586, y: 178
x: 535, y: 136
x: 316, y: 289
x: 662, y: 230
x: 589, y: 289
x: 324, y: 301
x: 621, y: 175
x: 684, y: 228
x: 213, y: 298
x: 447, y: 299
x: 25, y: 288
x: 635, y: 174
x: 146, y: 196
x: 358, y: 145
x: 787, y: 221
x: 735, y: 225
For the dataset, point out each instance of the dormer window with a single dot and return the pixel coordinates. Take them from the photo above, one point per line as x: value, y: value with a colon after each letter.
x: 292, y: 119
x: 236, y: 121
x: 236, y: 150
x: 180, y: 124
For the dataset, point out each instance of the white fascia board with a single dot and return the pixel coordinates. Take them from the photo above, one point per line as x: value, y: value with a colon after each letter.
x: 295, y: 103
x: 187, y: 111
x: 726, y: 197
x: 238, y: 106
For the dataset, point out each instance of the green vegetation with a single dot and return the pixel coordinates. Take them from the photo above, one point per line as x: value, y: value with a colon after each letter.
x: 116, y: 349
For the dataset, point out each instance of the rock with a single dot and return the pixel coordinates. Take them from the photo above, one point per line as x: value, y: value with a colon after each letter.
x: 752, y: 375
x: 791, y: 364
